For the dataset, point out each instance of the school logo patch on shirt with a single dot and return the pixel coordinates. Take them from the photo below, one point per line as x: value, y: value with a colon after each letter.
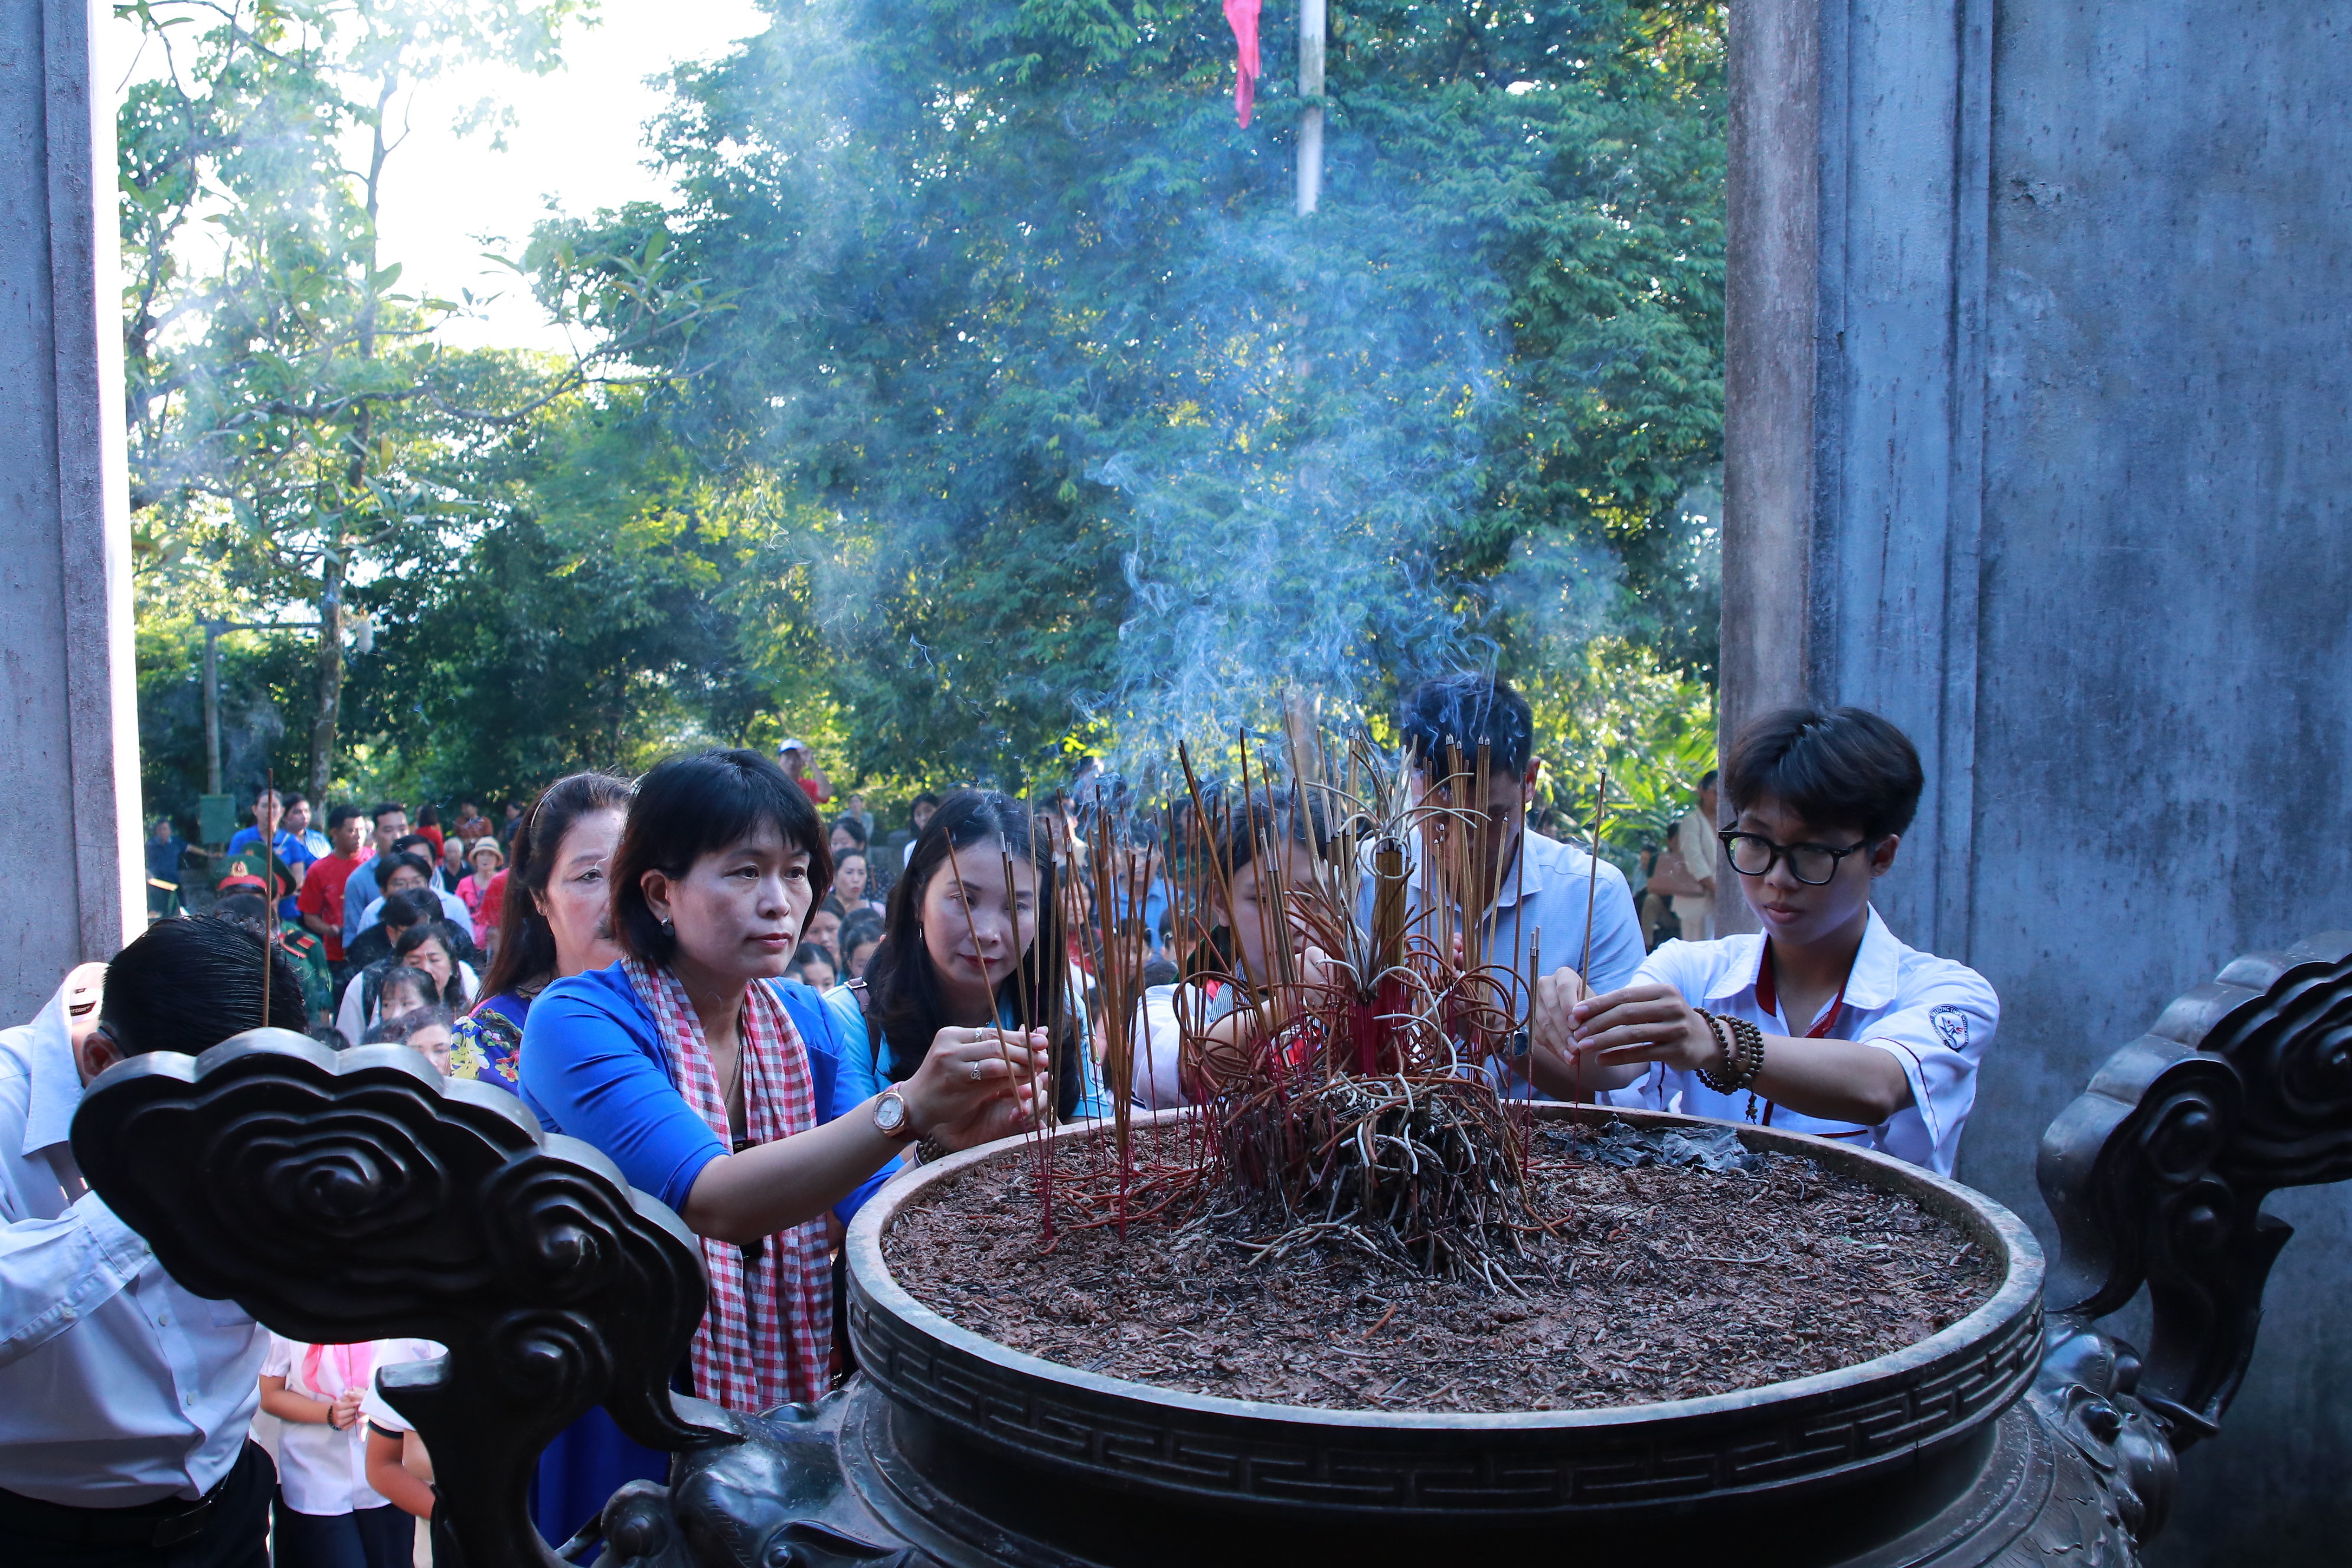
x: 1951, y: 1026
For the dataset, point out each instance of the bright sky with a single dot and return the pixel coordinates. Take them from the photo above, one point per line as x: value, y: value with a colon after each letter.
x: 577, y: 141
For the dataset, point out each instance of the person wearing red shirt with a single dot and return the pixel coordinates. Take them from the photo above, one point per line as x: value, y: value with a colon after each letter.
x: 428, y: 826
x: 321, y: 901
x: 793, y: 756
x: 485, y: 919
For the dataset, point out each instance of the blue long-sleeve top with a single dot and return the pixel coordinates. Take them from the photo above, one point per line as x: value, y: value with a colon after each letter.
x: 593, y: 1067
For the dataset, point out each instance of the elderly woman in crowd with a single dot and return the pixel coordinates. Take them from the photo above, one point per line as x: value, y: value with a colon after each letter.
x: 486, y: 860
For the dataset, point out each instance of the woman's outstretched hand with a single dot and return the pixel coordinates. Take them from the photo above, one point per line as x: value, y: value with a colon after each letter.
x: 978, y: 1084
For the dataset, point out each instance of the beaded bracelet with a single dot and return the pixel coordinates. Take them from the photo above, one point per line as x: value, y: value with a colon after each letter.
x: 1725, y: 1046
x: 1742, y: 1044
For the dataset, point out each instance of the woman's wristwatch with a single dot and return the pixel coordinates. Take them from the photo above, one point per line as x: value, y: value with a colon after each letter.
x: 893, y: 1117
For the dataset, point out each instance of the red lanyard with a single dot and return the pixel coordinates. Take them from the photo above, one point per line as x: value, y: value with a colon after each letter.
x: 1767, y: 1000
x: 1768, y: 996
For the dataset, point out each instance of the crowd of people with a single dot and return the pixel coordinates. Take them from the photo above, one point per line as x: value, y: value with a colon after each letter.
x: 720, y: 976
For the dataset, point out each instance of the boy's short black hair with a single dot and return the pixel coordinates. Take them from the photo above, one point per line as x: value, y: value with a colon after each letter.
x: 342, y: 815
x: 405, y: 910
x: 1843, y: 768
x: 186, y: 985
x: 1463, y: 712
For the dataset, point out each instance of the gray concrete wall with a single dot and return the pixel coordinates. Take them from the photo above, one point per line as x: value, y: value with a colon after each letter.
x: 68, y: 735
x: 2082, y: 442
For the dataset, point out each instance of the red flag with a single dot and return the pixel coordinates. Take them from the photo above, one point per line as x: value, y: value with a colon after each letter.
x: 1243, y: 15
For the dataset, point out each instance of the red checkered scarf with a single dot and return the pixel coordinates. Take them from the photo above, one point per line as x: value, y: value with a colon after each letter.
x: 767, y: 1337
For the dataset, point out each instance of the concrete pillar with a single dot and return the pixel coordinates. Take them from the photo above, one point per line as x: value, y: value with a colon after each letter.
x: 69, y: 723
x: 2072, y: 511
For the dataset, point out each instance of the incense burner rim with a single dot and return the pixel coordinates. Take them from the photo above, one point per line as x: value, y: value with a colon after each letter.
x: 2017, y: 1296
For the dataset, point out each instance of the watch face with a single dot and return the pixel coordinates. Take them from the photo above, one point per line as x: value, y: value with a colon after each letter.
x: 890, y: 1113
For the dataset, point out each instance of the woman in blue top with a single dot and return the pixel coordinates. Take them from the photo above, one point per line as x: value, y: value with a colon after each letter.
x: 718, y: 1090
x: 971, y: 951
x: 555, y: 920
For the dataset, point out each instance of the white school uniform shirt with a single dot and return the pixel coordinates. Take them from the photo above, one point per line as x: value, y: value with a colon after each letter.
x: 117, y: 1387
x: 1158, y: 1044
x: 1934, y: 1017
x: 320, y: 1470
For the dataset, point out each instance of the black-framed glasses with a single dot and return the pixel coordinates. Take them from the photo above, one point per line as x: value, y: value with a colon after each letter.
x: 1753, y: 855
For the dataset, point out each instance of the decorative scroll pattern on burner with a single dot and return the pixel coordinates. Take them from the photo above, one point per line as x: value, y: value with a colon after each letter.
x: 340, y: 1196
x: 2156, y: 1173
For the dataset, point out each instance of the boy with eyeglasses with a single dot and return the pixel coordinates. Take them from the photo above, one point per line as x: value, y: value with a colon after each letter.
x: 1825, y: 1022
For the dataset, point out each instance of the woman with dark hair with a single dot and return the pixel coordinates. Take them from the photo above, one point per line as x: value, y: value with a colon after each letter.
x: 426, y: 946
x: 813, y: 968
x: 363, y: 1001
x: 861, y: 934
x: 972, y: 949
x: 848, y: 833
x: 422, y: 1030
x: 850, y: 885
x: 554, y: 920
x: 717, y: 1087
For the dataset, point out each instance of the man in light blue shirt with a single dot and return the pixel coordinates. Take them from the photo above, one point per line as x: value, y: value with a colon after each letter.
x: 1541, y: 889
x: 391, y: 827
x: 125, y: 1401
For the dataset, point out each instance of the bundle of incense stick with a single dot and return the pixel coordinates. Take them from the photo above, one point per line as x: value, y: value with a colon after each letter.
x: 1345, y: 1094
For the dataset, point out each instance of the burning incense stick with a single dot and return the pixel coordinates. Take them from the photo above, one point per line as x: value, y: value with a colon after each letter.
x: 1592, y: 881
x: 268, y: 895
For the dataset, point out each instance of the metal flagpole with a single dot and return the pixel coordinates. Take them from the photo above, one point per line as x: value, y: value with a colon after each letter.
x: 1311, y: 15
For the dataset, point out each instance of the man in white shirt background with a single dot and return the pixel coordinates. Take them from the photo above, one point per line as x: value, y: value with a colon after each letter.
x: 125, y: 1401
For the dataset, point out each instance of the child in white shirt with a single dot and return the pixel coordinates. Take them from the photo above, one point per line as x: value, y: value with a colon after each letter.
x: 394, y: 1453
x: 327, y: 1515
x: 1825, y: 1022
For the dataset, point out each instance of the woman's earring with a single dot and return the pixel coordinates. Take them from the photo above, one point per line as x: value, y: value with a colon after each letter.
x: 669, y: 928
x: 918, y: 930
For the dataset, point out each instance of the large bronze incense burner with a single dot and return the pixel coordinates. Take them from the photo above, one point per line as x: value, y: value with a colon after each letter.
x: 2022, y: 1433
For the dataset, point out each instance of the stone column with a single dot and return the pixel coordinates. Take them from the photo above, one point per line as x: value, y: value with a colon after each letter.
x: 68, y: 722
x: 2037, y: 443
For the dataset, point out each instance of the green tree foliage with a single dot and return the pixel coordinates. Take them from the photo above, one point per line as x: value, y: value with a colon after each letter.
x: 280, y: 390
x: 1082, y: 430
x: 985, y: 401
x: 589, y: 625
